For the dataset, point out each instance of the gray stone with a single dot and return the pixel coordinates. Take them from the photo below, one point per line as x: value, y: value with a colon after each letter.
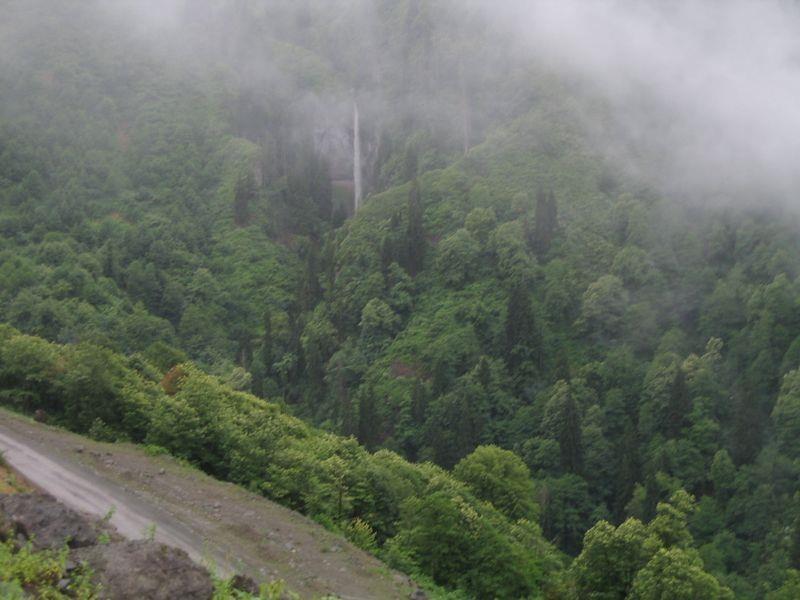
x: 142, y: 570
x: 45, y: 522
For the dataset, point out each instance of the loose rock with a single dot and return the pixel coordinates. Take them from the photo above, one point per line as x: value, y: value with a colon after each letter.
x: 45, y: 522
x: 142, y: 570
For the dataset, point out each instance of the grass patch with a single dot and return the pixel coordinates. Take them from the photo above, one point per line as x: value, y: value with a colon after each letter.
x: 9, y: 482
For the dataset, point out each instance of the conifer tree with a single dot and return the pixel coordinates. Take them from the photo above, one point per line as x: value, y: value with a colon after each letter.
x: 679, y: 405
x: 522, y: 336
x: 562, y: 422
x: 569, y: 438
x: 367, y: 420
x: 747, y: 427
x: 415, y: 235
x: 546, y: 221
x: 244, y: 194
x: 419, y: 402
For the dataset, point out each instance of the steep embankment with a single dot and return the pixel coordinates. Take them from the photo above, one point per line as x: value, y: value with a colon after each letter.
x: 213, y: 521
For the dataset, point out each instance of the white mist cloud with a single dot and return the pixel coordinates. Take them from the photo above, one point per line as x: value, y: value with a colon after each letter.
x: 702, y: 96
x: 706, y: 92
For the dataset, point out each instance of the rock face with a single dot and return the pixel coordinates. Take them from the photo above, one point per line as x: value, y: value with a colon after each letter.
x: 126, y: 570
x: 142, y: 570
x: 45, y: 522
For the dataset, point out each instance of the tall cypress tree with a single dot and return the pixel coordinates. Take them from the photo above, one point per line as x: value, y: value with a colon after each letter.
x: 415, y: 235
x: 794, y: 540
x: 483, y: 373
x: 628, y: 469
x: 419, y: 402
x: 562, y: 423
x: 569, y: 438
x: 387, y: 255
x: 747, y: 427
x: 368, y: 423
x: 266, y: 344
x: 263, y: 358
x: 320, y: 188
x: 546, y: 221
x: 522, y: 336
x: 679, y: 405
x: 244, y: 194
x: 310, y: 291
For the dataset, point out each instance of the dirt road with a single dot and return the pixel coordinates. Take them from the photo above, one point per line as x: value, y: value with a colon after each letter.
x: 216, y: 523
x: 80, y: 489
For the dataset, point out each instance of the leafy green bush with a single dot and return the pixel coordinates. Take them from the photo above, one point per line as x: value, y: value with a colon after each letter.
x: 40, y: 571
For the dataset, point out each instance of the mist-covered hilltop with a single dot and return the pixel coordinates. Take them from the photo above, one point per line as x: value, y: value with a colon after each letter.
x: 505, y: 242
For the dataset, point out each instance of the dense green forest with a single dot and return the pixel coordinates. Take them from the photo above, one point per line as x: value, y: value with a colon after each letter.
x: 516, y: 371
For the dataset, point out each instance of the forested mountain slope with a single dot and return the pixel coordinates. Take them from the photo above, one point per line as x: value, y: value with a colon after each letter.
x: 180, y: 188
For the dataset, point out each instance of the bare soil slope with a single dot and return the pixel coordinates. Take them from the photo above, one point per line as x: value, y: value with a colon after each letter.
x: 218, y: 523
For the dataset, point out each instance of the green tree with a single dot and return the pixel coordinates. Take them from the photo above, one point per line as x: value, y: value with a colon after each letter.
x: 598, y: 454
x: 523, y: 339
x: 655, y: 561
x: 671, y: 521
x: 562, y: 422
x: 457, y: 257
x: 723, y: 475
x: 455, y: 423
x: 790, y: 590
x: 459, y: 544
x: 243, y: 196
x: 267, y: 341
x: 611, y: 557
x: 546, y: 221
x: 604, y: 303
x: 786, y: 415
x: 633, y: 267
x: 415, y: 233
x: 500, y: 477
x: 676, y: 574
x: 665, y: 402
x: 318, y: 341
x: 480, y: 222
x: 379, y: 324
x: 566, y: 510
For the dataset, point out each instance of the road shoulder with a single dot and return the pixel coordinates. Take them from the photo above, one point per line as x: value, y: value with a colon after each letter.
x: 216, y: 522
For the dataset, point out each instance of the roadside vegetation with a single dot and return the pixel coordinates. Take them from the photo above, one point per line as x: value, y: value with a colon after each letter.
x: 10, y: 483
x: 25, y: 573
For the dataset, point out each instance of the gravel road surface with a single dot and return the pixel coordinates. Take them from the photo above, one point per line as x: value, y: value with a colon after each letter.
x: 218, y: 524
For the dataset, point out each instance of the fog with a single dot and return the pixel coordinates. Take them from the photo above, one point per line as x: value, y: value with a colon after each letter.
x: 699, y: 97
x: 702, y: 97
